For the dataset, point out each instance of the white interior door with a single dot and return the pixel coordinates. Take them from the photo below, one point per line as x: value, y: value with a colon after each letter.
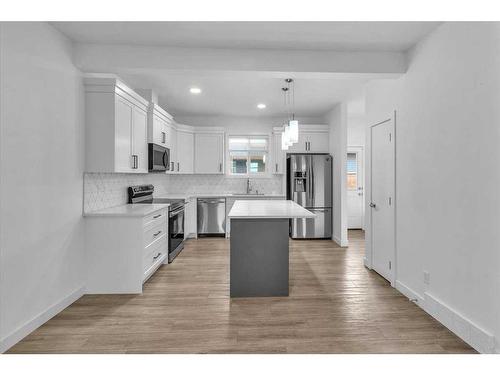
x: 382, y: 198
x: 355, y: 188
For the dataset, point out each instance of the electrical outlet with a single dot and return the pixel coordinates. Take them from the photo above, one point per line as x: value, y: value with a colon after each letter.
x: 427, y: 277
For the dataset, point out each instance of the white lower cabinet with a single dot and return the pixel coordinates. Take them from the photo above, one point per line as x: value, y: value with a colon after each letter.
x: 190, y: 223
x: 122, y: 252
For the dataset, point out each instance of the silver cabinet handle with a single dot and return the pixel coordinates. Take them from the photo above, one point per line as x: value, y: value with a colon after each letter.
x: 373, y: 205
x: 177, y: 166
x: 135, y: 162
x: 157, y: 233
x: 220, y: 167
x: 156, y: 257
x: 172, y: 166
x: 156, y: 216
x: 163, y: 137
x: 276, y: 167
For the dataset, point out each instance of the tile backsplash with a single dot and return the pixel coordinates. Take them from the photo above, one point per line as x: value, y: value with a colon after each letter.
x: 103, y: 190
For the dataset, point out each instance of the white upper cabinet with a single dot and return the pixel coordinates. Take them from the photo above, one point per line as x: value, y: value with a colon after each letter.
x: 159, y: 124
x: 317, y: 141
x: 185, y: 151
x: 174, y: 167
x: 209, y: 153
x: 278, y: 166
x: 312, y: 138
x: 139, y: 136
x: 116, y: 126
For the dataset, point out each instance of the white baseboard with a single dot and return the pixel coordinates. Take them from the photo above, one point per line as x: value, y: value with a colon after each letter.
x: 339, y: 242
x: 366, y: 263
x: 470, y: 332
x: 410, y: 293
x: 23, y: 331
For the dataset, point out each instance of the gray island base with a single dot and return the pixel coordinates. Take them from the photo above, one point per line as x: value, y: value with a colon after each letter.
x: 259, y: 256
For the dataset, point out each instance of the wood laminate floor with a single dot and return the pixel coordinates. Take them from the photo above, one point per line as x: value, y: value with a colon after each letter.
x: 335, y: 305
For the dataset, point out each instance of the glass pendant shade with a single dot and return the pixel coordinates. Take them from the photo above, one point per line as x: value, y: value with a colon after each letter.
x: 284, y: 145
x: 288, y: 141
x: 293, y: 126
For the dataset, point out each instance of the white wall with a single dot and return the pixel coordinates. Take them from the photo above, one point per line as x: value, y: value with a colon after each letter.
x: 448, y: 176
x: 41, y: 226
x: 356, y: 129
x: 337, y: 121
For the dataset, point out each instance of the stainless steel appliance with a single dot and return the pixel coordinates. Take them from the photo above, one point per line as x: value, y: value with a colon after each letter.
x: 144, y: 194
x: 158, y: 158
x: 211, y: 217
x: 309, y: 183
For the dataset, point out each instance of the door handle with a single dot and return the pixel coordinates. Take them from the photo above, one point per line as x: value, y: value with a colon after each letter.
x: 372, y: 205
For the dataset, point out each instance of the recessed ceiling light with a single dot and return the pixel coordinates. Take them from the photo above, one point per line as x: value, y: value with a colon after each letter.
x: 195, y: 90
x: 261, y: 106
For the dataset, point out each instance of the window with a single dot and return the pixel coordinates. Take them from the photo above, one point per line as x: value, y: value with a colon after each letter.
x: 352, y: 171
x: 247, y: 155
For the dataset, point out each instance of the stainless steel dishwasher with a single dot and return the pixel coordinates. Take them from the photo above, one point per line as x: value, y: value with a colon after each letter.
x: 211, y: 217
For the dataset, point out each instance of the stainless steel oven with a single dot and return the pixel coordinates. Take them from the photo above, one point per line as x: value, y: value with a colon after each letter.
x: 158, y: 158
x: 144, y: 194
x: 175, y: 231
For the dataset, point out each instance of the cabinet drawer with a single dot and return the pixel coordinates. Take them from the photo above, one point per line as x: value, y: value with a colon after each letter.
x: 154, y: 232
x: 155, y: 217
x: 154, y: 254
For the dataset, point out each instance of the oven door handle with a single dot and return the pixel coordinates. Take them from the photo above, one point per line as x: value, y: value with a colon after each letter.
x: 176, y: 212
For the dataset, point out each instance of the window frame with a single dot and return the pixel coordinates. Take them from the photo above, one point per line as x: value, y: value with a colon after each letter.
x: 249, y: 152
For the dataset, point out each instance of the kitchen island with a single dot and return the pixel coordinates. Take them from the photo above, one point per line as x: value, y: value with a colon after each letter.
x: 259, y: 246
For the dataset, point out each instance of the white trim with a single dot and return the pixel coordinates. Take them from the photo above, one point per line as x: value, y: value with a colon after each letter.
x: 23, y: 331
x: 394, y: 265
x: 339, y: 242
x: 359, y: 150
x: 467, y: 330
x: 410, y: 293
x: 267, y: 173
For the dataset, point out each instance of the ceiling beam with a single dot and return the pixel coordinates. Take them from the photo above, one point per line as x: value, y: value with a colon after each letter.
x: 106, y: 57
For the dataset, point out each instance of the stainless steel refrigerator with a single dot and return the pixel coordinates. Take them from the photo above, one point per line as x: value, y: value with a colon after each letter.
x: 309, y: 183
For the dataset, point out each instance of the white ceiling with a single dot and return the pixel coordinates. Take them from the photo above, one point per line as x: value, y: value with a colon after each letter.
x: 341, y: 36
x: 238, y: 93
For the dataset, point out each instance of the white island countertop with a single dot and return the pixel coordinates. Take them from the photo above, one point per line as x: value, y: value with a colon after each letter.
x: 269, y: 209
x: 130, y: 210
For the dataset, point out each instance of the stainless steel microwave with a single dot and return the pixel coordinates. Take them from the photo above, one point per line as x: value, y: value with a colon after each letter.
x: 158, y: 158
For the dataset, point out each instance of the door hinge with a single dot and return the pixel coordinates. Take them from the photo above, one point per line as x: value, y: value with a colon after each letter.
x: 390, y: 265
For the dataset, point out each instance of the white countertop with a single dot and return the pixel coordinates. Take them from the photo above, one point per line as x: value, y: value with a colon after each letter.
x: 223, y: 195
x: 269, y: 209
x: 132, y: 210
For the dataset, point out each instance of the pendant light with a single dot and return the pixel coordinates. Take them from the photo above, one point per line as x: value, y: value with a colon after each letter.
x: 290, y: 134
